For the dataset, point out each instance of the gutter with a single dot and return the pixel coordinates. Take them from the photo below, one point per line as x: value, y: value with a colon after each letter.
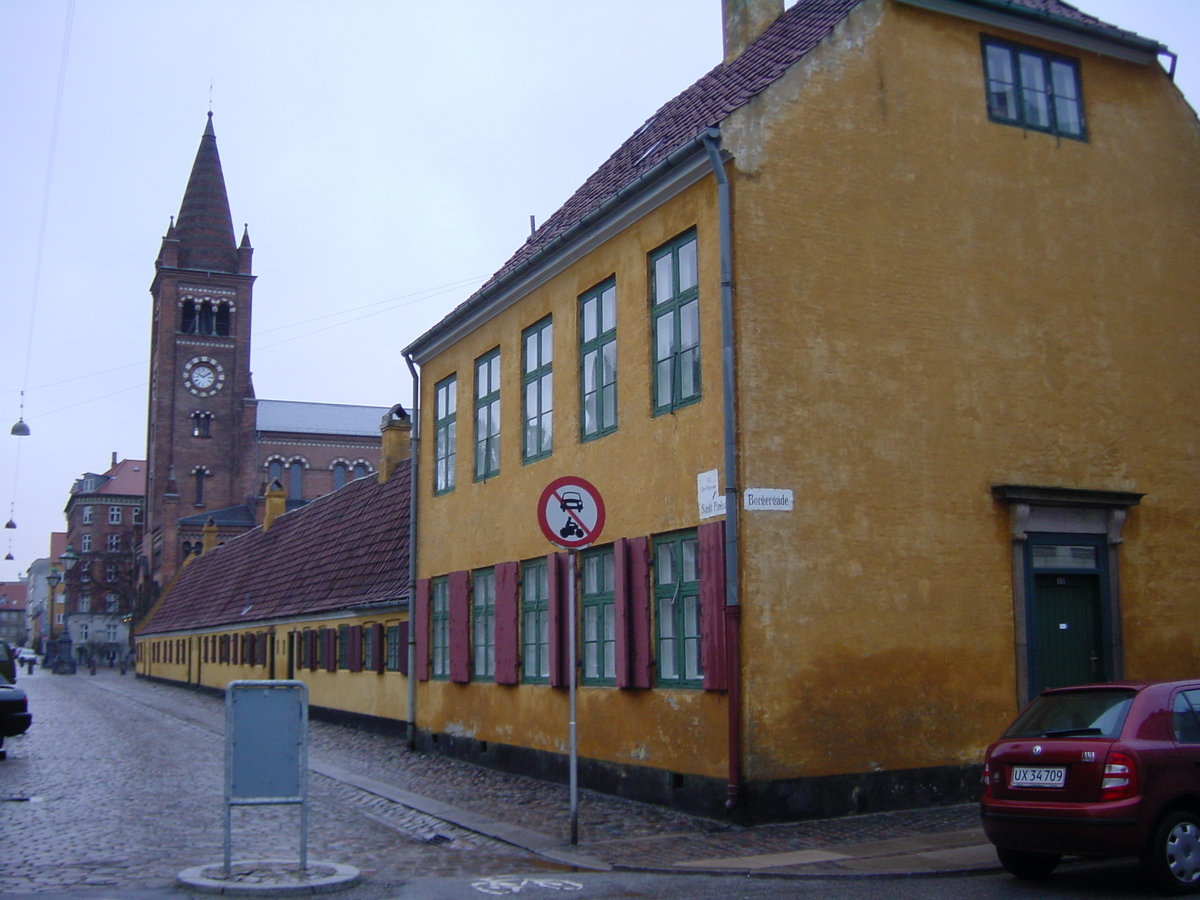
x: 414, y: 444
x: 1111, y: 41
x: 711, y: 138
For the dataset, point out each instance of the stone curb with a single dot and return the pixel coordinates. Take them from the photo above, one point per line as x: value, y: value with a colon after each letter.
x: 321, y: 877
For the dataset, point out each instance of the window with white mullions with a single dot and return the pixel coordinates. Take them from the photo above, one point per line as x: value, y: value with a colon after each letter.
x: 599, y: 617
x: 440, y: 621
x: 445, y: 434
x: 483, y: 625
x: 677, y: 609
x: 598, y: 359
x: 538, y: 382
x: 675, y: 307
x: 1033, y: 89
x: 487, y: 416
x: 535, y: 624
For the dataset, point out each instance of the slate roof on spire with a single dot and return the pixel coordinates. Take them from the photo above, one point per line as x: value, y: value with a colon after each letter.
x: 205, y: 226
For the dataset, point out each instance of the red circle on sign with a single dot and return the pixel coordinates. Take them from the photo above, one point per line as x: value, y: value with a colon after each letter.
x: 571, y: 512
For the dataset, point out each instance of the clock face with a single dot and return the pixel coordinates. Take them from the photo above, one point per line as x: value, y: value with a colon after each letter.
x: 203, y: 376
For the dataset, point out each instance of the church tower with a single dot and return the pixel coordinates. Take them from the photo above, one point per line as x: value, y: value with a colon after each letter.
x: 201, y: 421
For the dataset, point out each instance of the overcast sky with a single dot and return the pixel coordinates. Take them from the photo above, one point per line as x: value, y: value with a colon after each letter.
x: 386, y: 155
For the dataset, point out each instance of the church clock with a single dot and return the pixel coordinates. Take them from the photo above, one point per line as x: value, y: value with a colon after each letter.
x: 203, y: 376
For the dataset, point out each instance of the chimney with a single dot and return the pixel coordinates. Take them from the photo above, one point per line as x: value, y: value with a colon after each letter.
x: 114, y: 462
x: 744, y: 20
x: 396, y: 429
x: 209, y: 538
x: 276, y: 503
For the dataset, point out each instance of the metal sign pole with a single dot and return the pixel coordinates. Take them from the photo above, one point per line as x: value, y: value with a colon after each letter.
x: 573, y: 664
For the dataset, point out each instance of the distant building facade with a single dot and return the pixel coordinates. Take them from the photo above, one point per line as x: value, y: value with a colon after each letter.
x: 104, y: 535
x: 13, y: 628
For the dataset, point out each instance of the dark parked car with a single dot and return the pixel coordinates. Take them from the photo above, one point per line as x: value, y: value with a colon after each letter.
x: 8, y: 663
x: 1099, y: 771
x: 14, y: 712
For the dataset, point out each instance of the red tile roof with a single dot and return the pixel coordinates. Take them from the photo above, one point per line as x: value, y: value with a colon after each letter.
x: 346, y: 549
x: 705, y: 104
x: 128, y: 477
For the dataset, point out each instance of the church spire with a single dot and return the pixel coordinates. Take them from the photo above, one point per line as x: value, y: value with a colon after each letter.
x: 205, y: 226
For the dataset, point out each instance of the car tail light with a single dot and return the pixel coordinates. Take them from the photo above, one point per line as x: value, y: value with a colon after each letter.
x: 1120, y: 777
x: 987, y: 778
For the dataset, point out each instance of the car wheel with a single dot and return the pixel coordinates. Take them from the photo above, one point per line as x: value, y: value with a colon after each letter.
x: 1173, y: 858
x: 1027, y: 863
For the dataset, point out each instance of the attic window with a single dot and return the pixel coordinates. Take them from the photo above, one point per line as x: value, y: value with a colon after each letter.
x: 1033, y: 89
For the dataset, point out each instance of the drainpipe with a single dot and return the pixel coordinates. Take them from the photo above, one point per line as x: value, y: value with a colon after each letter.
x: 411, y: 731
x: 733, y: 610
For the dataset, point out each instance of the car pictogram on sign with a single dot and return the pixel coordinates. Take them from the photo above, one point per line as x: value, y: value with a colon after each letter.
x: 571, y: 512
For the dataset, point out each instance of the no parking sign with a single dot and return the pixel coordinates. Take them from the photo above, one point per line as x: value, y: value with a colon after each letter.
x: 571, y: 512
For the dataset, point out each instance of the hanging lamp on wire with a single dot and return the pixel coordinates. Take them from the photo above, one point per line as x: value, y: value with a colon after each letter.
x: 20, y: 429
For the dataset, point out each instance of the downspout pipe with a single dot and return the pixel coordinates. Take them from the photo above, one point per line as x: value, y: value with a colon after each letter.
x: 733, y: 792
x: 411, y: 714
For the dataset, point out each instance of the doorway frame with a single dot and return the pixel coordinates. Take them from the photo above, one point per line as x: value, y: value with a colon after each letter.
x: 1059, y: 515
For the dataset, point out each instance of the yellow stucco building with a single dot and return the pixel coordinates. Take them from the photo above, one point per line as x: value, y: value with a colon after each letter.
x: 908, y: 286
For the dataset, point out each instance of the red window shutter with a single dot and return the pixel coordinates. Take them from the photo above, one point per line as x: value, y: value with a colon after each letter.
x: 422, y: 614
x: 641, y: 638
x: 460, y: 626
x: 378, y: 647
x: 711, y: 538
x: 403, y: 648
x: 331, y: 648
x: 354, y: 651
x: 556, y: 577
x: 623, y: 625
x: 508, y: 617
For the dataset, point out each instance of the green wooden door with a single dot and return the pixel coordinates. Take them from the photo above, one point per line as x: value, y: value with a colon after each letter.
x: 1067, y: 630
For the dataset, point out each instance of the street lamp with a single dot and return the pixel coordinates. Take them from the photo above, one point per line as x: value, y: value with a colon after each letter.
x: 65, y: 661
x: 53, y: 579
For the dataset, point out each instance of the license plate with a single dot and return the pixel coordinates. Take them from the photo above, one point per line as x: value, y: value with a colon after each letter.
x: 1038, y: 776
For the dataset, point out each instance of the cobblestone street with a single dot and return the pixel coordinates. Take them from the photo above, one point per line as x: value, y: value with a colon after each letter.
x: 106, y: 790
x: 119, y: 785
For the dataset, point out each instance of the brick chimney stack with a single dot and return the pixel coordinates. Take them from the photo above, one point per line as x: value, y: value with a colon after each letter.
x: 744, y: 20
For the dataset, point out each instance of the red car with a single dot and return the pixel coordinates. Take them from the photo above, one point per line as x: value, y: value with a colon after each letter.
x: 1100, y: 770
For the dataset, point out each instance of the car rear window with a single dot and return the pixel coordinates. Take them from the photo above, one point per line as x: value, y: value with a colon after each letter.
x: 1074, y: 714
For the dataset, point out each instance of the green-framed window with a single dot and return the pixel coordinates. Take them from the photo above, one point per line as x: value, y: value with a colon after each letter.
x: 343, y: 647
x: 675, y: 309
x: 483, y: 625
x: 392, y: 639
x: 445, y: 433
x: 439, y: 616
x: 598, y: 360
x: 1033, y: 89
x: 487, y: 415
x: 535, y: 621
x: 677, y: 609
x: 599, y: 617
x: 537, y: 383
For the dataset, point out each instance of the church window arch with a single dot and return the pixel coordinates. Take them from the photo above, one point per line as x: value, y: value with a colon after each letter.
x: 295, y: 477
x: 202, y: 424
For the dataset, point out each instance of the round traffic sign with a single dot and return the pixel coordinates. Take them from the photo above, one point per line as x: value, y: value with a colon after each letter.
x: 571, y: 512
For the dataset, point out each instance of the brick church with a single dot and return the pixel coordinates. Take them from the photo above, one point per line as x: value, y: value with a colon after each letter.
x: 213, y: 449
